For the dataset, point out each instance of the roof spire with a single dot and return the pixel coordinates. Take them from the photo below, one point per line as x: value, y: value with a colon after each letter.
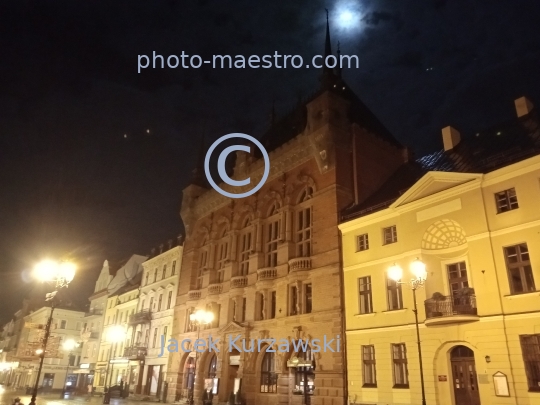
x: 328, y: 73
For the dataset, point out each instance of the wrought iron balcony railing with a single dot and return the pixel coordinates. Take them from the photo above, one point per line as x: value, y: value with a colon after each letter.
x: 135, y: 352
x: 451, y: 306
x: 143, y: 316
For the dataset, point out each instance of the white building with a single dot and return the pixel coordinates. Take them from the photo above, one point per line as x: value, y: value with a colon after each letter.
x: 93, y: 323
x: 60, y: 368
x: 153, y: 321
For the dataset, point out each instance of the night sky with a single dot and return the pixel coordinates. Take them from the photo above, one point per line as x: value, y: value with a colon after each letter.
x: 94, y: 156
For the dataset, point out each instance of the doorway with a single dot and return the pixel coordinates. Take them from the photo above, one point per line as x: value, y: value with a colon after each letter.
x: 464, y: 376
x: 234, y: 365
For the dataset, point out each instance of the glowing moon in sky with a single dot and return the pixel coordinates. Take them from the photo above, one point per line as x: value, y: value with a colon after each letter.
x: 346, y: 18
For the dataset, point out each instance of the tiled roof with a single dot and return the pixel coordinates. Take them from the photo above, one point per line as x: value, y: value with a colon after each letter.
x: 482, y: 152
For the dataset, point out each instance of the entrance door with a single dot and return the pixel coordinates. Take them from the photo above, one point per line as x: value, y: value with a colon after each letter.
x: 464, y: 376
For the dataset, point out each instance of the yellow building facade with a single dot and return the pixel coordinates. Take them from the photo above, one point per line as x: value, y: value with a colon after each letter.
x: 479, y: 308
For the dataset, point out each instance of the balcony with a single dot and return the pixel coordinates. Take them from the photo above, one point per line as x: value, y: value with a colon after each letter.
x: 194, y: 295
x: 137, y: 352
x: 450, y: 309
x: 94, y: 312
x: 143, y: 316
x: 299, y: 264
x: 239, y: 282
x: 268, y: 273
x: 214, y: 289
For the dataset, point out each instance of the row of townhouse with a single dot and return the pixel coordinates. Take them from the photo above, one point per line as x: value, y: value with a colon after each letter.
x: 116, y: 337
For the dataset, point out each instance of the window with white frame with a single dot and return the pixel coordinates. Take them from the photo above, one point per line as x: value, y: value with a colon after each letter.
x: 389, y: 235
x: 362, y: 242
x: 506, y: 200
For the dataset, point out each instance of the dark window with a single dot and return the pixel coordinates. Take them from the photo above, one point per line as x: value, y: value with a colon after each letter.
x: 303, y: 234
x: 519, y: 269
x: 401, y: 372
x: 362, y: 242
x: 173, y: 270
x: 530, y: 347
x: 506, y: 200
x: 368, y: 365
x: 154, y: 340
x: 169, y: 300
x: 395, y: 297
x: 308, y: 305
x: 159, y: 302
x: 243, y: 309
x: 212, y: 367
x: 272, y: 237
x: 63, y: 324
x: 273, y: 305
x: 155, y: 274
x: 364, y: 295
x: 245, y: 250
x: 389, y: 235
x: 164, y: 272
x: 268, y: 374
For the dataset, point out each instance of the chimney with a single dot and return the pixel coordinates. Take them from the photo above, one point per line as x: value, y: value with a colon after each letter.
x: 450, y: 137
x: 523, y: 106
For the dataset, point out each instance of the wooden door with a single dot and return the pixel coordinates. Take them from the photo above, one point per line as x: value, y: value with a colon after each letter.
x: 464, y: 377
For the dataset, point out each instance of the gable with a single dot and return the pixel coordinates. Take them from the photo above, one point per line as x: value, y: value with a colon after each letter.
x: 433, y: 183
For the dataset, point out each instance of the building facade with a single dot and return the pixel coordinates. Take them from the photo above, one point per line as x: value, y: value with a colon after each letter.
x: 60, y: 368
x: 122, y: 298
x: 469, y: 213
x: 153, y: 320
x: 268, y: 266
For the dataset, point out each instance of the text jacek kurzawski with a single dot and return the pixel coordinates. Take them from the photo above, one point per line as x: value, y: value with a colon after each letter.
x: 251, y: 345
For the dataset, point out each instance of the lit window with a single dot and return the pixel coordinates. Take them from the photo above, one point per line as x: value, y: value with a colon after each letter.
x: 268, y: 373
x: 368, y: 366
x: 399, y: 360
x: 303, y: 233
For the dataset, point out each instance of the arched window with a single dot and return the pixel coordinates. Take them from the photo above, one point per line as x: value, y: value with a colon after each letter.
x: 272, y: 236
x: 245, y: 247
x: 305, y: 373
x: 223, y: 248
x: 306, y: 194
x: 268, y: 373
x: 304, y: 223
x: 212, y: 367
x: 189, y: 373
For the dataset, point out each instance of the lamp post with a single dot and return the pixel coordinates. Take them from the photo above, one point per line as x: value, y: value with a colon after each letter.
x: 115, y: 334
x: 418, y: 270
x: 59, y: 274
x: 201, y: 317
x: 69, y: 345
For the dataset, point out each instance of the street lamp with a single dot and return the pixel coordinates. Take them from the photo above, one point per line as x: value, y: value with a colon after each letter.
x: 115, y: 334
x: 69, y: 346
x: 418, y: 270
x: 60, y: 275
x: 199, y: 318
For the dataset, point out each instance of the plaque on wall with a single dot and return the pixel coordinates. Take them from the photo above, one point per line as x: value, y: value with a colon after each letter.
x: 500, y: 382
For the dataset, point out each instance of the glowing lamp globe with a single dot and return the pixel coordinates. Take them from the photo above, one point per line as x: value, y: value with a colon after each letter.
x: 69, y: 345
x: 201, y: 316
x: 67, y: 271
x: 46, y: 270
x: 395, y: 272
x: 116, y: 333
x: 418, y: 269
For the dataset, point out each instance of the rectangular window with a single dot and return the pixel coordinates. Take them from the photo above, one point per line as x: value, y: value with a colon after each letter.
x: 519, y: 269
x: 164, y: 272
x: 189, y: 324
x: 273, y: 299
x: 506, y: 200
x: 303, y: 233
x: 457, y: 278
x: 169, y: 300
x: 63, y: 324
x: 222, y: 260
x: 362, y: 242
x: 244, y: 309
x: 159, y: 302
x: 399, y: 360
x: 173, y: 270
x: 142, y: 305
x: 272, y: 237
x: 368, y: 366
x: 155, y: 274
x: 245, y: 250
x: 203, y: 256
x: 530, y: 348
x: 259, y: 306
x: 151, y: 306
x: 308, y: 299
x: 146, y: 336
x: 364, y: 295
x: 293, y: 300
x: 389, y: 235
x: 395, y: 297
x: 146, y: 278
x: 155, y: 338
x: 165, y: 332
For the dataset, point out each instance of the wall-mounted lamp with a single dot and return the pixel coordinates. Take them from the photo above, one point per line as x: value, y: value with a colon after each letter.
x: 488, y: 359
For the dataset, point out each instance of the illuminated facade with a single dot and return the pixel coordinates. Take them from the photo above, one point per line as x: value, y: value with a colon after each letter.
x: 470, y: 213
